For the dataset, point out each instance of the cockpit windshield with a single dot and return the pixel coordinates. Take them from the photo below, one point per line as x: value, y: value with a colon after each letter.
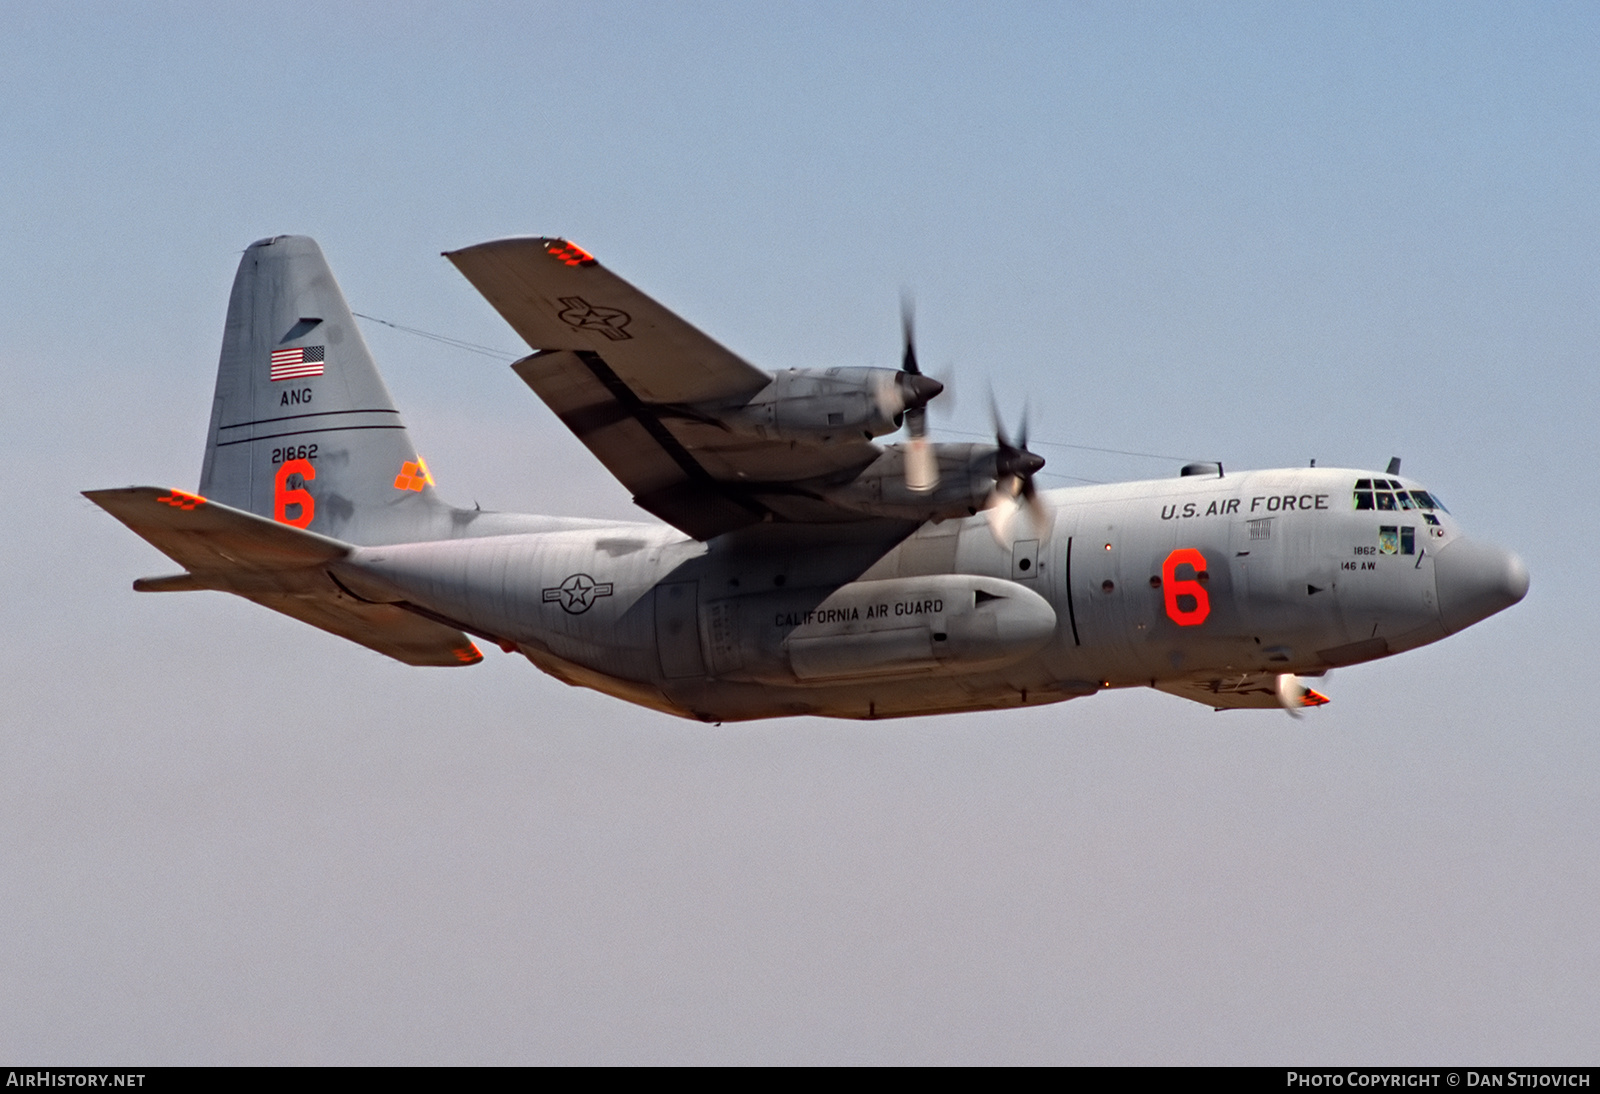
x: 1387, y: 494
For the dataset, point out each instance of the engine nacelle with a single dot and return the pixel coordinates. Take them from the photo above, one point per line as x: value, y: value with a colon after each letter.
x: 823, y: 405
x: 966, y: 475
x: 947, y: 623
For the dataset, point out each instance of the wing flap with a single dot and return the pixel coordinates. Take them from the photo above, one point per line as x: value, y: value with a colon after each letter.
x: 635, y: 445
x: 629, y: 443
x: 277, y: 566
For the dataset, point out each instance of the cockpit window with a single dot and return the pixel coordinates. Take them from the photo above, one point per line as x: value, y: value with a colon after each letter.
x: 1388, y: 495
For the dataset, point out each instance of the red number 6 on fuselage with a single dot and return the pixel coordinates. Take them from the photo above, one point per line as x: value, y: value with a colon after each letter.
x: 1175, y: 588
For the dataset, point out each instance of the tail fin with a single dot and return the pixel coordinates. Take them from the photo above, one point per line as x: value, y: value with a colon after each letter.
x: 303, y: 430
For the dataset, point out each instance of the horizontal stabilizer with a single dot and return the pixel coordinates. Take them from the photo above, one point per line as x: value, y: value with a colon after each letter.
x: 169, y: 583
x: 277, y: 566
x: 204, y: 536
x: 387, y: 628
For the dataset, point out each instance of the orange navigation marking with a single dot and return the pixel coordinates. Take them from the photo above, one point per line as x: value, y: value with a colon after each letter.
x: 468, y: 654
x: 1175, y: 588
x: 569, y: 254
x: 180, y: 500
x: 1313, y: 699
x: 284, y: 498
x: 413, y: 476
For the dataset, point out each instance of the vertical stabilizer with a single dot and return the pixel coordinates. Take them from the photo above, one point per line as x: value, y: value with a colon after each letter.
x: 303, y: 430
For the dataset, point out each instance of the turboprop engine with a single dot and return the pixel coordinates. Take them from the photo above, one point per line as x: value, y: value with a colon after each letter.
x: 820, y: 405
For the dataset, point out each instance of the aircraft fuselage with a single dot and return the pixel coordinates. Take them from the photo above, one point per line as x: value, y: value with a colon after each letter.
x: 1216, y: 582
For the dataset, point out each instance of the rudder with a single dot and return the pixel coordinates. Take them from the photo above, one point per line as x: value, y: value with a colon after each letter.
x: 303, y: 429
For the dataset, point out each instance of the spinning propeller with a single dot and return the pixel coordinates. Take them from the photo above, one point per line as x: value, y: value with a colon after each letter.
x: 1014, y: 468
x: 909, y: 393
x: 916, y: 389
x: 1294, y: 696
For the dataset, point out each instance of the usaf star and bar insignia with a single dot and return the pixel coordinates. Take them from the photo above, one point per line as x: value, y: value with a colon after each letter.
x: 577, y: 593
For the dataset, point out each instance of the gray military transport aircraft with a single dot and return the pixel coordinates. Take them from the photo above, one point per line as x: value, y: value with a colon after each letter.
x: 802, y: 568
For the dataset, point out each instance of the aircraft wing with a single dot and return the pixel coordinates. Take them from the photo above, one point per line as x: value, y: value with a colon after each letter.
x: 278, y: 567
x: 556, y: 296
x: 640, y: 387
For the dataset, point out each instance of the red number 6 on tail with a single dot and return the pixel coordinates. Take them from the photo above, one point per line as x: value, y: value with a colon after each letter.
x: 283, y: 497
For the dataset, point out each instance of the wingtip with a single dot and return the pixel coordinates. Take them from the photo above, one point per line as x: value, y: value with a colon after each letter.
x: 560, y: 248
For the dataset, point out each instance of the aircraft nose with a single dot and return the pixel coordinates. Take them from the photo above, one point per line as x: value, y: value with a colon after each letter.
x: 1475, y: 580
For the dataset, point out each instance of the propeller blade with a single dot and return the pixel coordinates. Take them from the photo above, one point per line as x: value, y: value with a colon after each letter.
x: 1289, y: 693
x: 1039, y: 511
x: 908, y: 313
x: 922, y: 468
x: 948, y: 398
x: 890, y: 396
x: 915, y: 391
x: 1000, y: 437
x: 1001, y: 511
x: 1014, y: 468
x: 1001, y: 506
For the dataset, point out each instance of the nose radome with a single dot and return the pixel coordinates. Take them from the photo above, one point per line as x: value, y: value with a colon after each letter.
x: 1475, y: 580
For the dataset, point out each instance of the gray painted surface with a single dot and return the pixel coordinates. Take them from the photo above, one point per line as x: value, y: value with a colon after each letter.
x: 888, y: 603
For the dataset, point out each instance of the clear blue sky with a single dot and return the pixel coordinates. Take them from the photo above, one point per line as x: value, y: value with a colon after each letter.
x: 1255, y: 233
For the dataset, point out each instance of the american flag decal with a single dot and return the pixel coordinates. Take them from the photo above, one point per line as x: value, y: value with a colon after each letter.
x: 297, y: 363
